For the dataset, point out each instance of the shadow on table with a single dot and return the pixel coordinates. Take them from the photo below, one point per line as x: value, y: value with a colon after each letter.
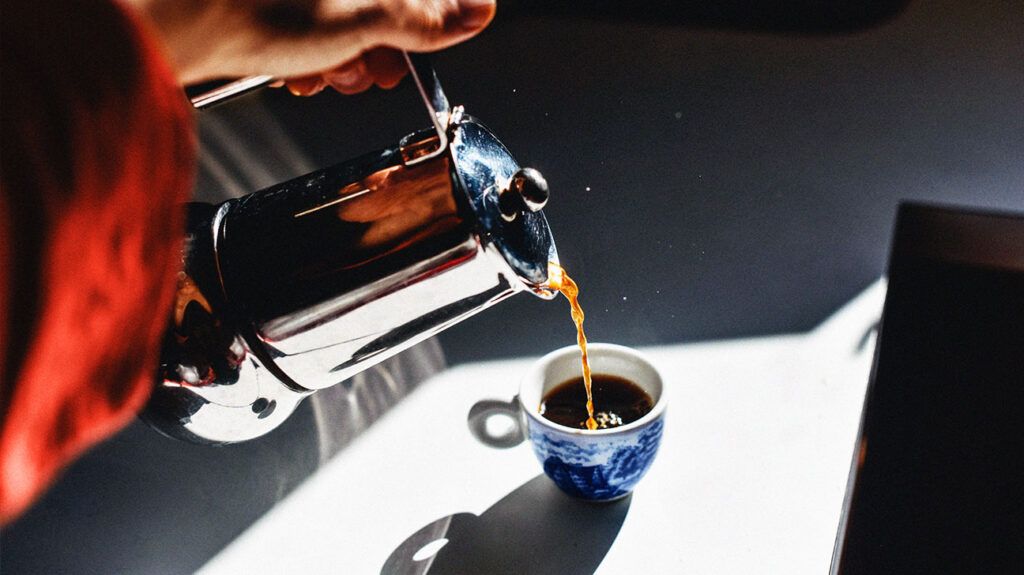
x: 534, y: 529
x: 142, y: 503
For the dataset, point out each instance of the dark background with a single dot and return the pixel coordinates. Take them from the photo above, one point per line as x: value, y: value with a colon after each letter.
x: 741, y: 182
x: 937, y: 483
x: 744, y: 162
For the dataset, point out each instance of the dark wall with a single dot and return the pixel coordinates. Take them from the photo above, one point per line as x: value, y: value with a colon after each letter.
x: 711, y: 183
x: 793, y: 16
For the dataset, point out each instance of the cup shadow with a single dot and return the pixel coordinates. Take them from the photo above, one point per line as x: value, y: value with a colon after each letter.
x: 534, y: 529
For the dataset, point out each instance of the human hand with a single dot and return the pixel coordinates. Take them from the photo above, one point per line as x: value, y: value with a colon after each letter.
x: 348, y: 44
x: 382, y: 66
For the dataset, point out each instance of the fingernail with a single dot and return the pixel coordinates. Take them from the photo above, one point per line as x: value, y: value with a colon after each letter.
x: 306, y: 86
x: 475, y: 13
x: 346, y: 78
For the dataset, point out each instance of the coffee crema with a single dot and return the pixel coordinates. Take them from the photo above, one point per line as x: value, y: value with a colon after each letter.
x: 621, y: 402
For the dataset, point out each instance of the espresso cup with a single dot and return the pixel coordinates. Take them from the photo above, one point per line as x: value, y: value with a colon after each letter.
x: 598, y: 465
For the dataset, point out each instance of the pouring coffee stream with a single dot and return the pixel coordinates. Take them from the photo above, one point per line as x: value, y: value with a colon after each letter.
x: 558, y: 279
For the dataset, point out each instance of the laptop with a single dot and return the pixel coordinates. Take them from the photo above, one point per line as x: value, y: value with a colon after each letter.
x: 937, y: 479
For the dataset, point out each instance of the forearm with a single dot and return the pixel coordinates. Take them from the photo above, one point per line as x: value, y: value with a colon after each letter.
x: 97, y: 158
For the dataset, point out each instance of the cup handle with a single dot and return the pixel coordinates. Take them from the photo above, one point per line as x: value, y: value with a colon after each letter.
x: 484, y: 410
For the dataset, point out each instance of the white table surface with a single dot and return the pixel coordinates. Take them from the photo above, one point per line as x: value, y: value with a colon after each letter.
x: 749, y: 478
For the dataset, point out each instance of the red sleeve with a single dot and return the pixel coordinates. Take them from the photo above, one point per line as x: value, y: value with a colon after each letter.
x: 97, y: 155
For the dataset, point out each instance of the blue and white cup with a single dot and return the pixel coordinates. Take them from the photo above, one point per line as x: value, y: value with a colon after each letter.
x: 598, y: 465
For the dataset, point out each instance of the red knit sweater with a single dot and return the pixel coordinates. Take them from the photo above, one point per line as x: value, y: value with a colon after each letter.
x: 97, y: 155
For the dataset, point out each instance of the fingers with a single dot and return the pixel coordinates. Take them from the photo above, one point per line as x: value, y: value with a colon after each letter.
x: 430, y: 25
x: 384, y: 67
x: 350, y: 78
x: 306, y: 85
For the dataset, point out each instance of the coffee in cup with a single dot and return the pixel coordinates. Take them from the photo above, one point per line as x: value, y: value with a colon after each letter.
x: 621, y: 402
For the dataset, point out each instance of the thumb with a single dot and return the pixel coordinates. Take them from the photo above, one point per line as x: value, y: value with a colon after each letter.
x: 430, y: 25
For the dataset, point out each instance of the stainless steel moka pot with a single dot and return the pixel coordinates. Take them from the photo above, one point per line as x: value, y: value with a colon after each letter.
x: 299, y: 286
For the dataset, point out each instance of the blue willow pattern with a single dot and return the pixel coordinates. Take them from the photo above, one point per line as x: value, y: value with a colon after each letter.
x: 590, y: 470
